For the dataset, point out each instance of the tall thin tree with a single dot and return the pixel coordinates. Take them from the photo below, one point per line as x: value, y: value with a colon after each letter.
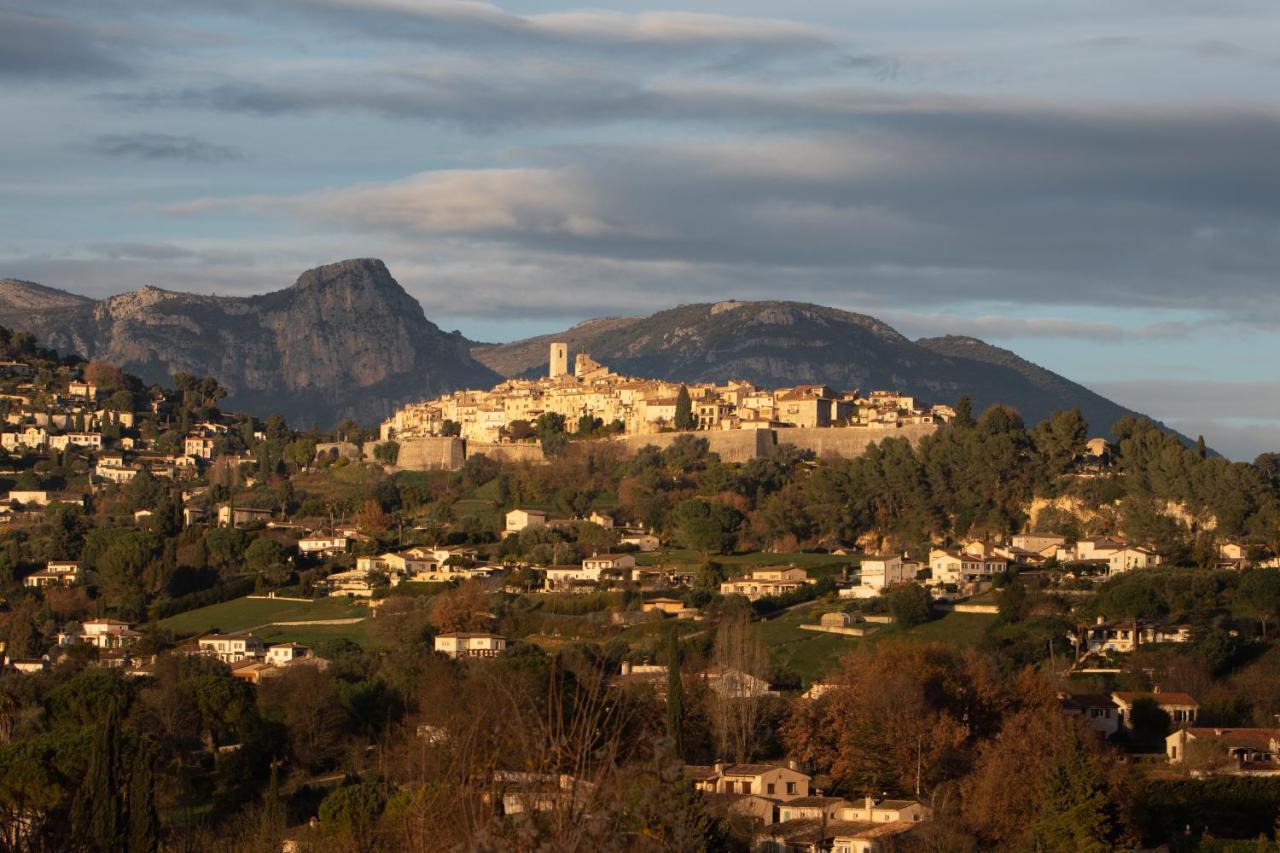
x: 675, y: 692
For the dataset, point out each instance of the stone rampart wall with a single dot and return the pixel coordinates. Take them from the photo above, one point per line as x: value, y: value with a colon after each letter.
x: 431, y: 453
x: 506, y: 452
x: 737, y: 445
x: 847, y: 442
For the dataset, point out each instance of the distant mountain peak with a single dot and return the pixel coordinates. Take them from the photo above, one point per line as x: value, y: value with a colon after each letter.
x: 346, y: 340
x: 328, y: 274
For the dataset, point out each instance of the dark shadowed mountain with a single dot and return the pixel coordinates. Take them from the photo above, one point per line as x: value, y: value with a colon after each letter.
x: 786, y: 343
x: 345, y: 341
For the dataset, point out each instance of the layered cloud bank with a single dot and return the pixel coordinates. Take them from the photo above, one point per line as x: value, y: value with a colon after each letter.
x: 1097, y: 184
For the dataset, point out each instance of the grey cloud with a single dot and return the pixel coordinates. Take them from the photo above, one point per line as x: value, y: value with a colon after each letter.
x: 170, y: 252
x: 162, y: 146
x: 39, y: 46
x: 998, y: 327
x: 471, y: 24
x: 1192, y: 398
x: 102, y: 275
x: 467, y: 26
x: 954, y: 201
x: 1238, y: 419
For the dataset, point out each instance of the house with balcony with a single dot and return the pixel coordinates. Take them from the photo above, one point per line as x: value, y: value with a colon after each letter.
x: 767, y: 583
x: 1182, y: 708
x: 101, y: 633
x: 56, y: 573
x: 230, y: 648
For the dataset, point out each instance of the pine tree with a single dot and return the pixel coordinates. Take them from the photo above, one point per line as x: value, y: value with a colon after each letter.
x: 684, y: 409
x: 1073, y: 812
x: 675, y: 692
x: 964, y: 413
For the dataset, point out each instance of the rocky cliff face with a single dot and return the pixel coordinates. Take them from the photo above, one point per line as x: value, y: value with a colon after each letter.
x: 775, y: 344
x: 345, y: 341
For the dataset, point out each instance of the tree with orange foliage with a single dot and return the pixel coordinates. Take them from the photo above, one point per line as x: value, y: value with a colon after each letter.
x: 464, y: 608
x: 1046, y: 782
x: 371, y: 516
x: 105, y: 376
x: 902, y: 717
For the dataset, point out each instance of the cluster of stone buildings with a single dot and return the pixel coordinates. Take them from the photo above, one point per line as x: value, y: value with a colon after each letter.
x: 647, y: 406
x: 67, y: 414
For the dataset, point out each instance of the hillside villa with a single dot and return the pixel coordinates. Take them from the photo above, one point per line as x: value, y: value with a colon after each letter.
x: 767, y: 583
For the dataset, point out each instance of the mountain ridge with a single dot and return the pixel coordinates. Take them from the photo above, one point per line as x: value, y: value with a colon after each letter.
x: 346, y: 340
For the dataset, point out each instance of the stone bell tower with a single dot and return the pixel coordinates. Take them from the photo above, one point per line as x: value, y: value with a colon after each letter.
x: 559, y: 359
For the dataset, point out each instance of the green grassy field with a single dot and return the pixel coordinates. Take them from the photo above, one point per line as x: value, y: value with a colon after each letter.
x: 813, y: 654
x: 310, y: 635
x: 241, y: 613
x: 818, y: 565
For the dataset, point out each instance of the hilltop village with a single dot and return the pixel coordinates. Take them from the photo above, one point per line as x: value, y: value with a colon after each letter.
x: 594, y: 398
x: 223, y: 633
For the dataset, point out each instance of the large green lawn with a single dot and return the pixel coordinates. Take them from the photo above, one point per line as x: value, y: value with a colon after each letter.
x: 241, y: 613
x: 310, y: 635
x: 818, y: 565
x: 813, y: 654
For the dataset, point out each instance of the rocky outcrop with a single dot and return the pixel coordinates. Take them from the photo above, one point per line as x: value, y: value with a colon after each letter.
x: 345, y: 341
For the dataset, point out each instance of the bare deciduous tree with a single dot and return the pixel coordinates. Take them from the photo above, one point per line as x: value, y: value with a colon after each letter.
x: 738, y: 681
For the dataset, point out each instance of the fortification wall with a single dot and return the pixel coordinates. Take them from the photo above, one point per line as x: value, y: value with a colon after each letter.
x: 506, y: 452
x: 847, y: 442
x: 431, y: 453
x: 738, y: 445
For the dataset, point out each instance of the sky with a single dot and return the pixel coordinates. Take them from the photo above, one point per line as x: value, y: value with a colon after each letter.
x: 1094, y: 185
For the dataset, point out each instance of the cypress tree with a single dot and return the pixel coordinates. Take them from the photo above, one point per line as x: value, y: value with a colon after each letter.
x: 684, y: 409
x: 273, y: 814
x: 96, y: 812
x: 143, y: 823
x: 675, y: 692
